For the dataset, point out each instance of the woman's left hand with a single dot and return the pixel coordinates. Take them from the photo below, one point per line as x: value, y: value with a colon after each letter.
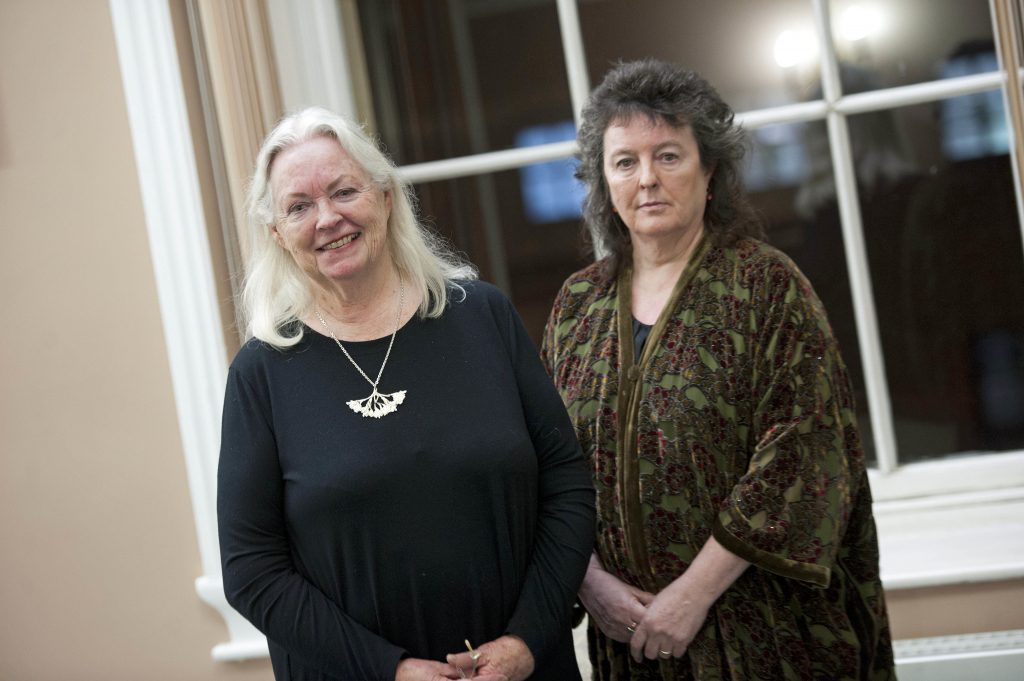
x: 677, y: 613
x: 671, y: 621
x: 506, y: 656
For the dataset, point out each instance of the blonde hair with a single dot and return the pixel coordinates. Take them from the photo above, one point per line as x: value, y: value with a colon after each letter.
x: 276, y: 293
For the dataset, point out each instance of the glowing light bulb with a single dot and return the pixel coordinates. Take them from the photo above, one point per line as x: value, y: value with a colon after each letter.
x: 794, y: 47
x: 859, y: 21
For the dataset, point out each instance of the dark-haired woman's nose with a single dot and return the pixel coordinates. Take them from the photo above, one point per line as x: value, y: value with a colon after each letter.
x: 648, y: 177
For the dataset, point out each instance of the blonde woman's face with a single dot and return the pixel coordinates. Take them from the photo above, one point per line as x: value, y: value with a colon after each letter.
x: 328, y: 214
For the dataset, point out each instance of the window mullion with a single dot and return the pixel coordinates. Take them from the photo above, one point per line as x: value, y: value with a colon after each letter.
x: 1005, y: 25
x: 918, y: 93
x: 575, y: 57
x: 487, y: 162
x: 868, y: 337
x: 474, y: 107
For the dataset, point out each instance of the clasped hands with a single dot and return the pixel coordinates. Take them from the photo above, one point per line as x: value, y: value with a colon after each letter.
x: 655, y: 626
x: 504, y: 659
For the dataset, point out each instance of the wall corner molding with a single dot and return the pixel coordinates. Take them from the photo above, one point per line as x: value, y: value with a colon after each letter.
x: 179, y: 248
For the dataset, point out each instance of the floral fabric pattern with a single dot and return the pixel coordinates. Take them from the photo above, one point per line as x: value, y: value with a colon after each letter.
x: 737, y: 421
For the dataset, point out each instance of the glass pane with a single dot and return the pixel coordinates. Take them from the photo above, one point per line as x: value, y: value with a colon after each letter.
x: 757, y: 54
x: 947, y: 267
x: 457, y: 77
x: 520, y: 227
x: 887, y: 43
x: 789, y: 178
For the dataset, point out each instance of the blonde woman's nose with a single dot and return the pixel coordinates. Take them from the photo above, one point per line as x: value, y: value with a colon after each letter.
x: 327, y: 214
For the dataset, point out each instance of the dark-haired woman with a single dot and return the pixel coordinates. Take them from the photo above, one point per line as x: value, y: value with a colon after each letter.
x: 735, y: 532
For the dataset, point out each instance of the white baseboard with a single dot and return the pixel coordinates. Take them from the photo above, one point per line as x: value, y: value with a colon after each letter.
x: 993, y: 656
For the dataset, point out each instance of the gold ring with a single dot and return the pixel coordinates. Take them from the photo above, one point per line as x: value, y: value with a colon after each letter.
x: 664, y: 654
x: 631, y: 628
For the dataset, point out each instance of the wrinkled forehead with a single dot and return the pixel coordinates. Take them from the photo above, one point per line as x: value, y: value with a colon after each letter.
x: 634, y: 114
x: 320, y: 160
x: 631, y: 128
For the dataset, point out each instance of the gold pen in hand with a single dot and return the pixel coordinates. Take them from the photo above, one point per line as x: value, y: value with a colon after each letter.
x: 473, y: 655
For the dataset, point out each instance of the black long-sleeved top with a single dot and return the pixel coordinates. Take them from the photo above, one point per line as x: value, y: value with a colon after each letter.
x: 468, y: 513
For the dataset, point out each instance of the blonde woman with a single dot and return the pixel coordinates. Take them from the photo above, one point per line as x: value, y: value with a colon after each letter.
x: 398, y: 477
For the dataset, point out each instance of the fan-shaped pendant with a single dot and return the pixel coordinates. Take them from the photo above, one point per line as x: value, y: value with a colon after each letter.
x: 377, y: 404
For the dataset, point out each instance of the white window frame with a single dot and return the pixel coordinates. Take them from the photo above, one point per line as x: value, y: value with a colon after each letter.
x: 955, y: 506
x: 179, y: 247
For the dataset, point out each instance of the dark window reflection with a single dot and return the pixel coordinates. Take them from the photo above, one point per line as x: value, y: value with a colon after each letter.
x: 947, y: 265
x: 551, y: 192
x: 974, y: 125
x: 789, y: 177
x: 945, y: 257
x: 489, y: 214
x: 732, y: 43
x: 457, y: 77
x: 901, y: 42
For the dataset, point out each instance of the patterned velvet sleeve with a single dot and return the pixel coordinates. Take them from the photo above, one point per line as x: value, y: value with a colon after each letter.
x: 787, y: 514
x: 548, y: 344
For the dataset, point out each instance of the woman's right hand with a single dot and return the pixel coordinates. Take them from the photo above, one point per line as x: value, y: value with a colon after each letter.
x: 615, y: 607
x: 414, y: 669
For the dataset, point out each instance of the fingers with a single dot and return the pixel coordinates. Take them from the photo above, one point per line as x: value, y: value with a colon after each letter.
x: 630, y: 613
x: 614, y: 631
x: 465, y: 664
x: 618, y: 628
x: 664, y: 651
x: 636, y: 645
x: 620, y: 624
x: 615, y: 606
x: 412, y: 669
x: 465, y: 660
x: 652, y: 650
x: 632, y: 622
x: 483, y: 675
x: 644, y: 597
x: 644, y: 644
x: 636, y: 613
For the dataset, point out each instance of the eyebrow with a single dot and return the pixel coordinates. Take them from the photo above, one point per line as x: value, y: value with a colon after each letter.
x: 340, y: 179
x: 657, y: 148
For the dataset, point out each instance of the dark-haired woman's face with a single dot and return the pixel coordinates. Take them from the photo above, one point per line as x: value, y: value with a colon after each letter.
x: 657, y: 183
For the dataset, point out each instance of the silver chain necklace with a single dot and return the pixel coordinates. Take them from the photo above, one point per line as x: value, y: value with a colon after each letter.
x: 377, y: 404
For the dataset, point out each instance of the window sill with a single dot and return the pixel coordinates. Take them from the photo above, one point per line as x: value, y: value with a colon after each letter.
x: 951, y: 539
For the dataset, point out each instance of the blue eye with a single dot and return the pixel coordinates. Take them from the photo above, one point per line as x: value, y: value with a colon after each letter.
x: 296, y: 208
x: 344, y: 193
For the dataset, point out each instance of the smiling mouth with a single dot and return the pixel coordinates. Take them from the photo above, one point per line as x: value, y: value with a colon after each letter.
x: 340, y: 242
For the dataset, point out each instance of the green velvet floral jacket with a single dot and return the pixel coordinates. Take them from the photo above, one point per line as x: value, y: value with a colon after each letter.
x: 737, y: 421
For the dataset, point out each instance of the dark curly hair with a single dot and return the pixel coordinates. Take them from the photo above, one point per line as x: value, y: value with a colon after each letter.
x: 663, y: 92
